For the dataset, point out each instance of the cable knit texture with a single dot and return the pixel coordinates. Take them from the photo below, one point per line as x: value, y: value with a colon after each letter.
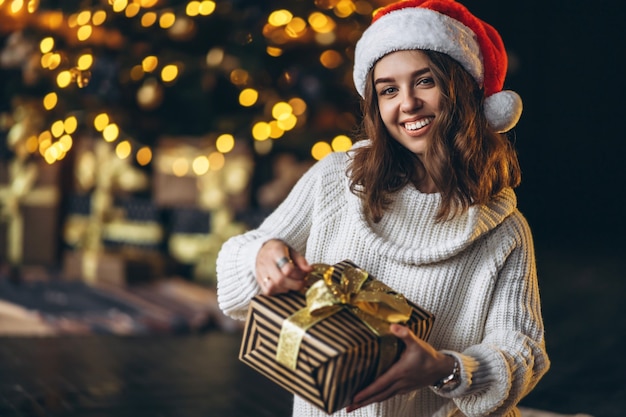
x: 475, y: 273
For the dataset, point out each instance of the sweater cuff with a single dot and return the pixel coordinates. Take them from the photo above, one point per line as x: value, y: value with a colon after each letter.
x: 234, y: 295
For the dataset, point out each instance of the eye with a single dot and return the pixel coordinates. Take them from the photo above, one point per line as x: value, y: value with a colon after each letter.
x: 426, y: 82
x: 387, y: 91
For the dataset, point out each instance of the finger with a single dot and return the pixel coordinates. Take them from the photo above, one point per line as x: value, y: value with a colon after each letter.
x: 300, y: 262
x: 375, y: 393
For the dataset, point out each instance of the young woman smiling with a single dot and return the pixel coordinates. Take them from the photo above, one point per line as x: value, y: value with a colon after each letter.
x: 425, y: 203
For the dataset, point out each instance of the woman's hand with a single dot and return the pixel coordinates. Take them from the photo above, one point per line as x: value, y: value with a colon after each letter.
x: 280, y: 268
x: 419, y: 365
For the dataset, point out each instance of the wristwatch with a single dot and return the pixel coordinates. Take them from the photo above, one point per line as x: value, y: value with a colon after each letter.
x: 450, y: 382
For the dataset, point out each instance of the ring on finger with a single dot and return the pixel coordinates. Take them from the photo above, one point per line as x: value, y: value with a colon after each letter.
x: 282, y: 262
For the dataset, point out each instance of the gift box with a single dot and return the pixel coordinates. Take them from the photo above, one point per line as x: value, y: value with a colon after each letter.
x: 328, y: 344
x: 29, y: 212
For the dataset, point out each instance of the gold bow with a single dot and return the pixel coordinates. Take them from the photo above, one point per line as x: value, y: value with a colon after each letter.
x: 375, y: 304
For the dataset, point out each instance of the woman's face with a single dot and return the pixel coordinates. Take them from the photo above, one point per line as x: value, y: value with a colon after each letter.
x: 408, y: 98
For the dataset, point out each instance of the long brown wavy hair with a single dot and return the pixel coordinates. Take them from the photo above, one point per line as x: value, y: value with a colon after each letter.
x: 467, y: 160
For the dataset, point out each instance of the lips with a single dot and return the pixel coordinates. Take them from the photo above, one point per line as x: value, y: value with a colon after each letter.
x: 418, y: 124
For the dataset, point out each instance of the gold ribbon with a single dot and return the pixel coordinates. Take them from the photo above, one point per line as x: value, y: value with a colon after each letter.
x: 22, y: 191
x: 375, y: 304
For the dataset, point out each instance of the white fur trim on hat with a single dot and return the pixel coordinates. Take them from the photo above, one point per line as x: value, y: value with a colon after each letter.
x: 503, y: 110
x: 416, y: 28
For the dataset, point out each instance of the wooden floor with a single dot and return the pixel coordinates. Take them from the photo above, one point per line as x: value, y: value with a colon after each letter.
x: 106, y: 376
x: 198, y: 374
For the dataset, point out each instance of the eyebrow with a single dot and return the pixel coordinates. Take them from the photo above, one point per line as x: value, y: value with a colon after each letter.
x: 391, y: 79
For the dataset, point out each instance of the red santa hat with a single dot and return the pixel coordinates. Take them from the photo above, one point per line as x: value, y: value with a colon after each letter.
x: 448, y: 27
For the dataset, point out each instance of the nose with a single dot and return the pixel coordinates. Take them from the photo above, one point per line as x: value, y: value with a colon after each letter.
x: 410, y: 101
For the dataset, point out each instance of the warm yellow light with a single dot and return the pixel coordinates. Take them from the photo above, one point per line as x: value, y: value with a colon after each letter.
x: 281, y: 110
x: 331, y: 59
x: 85, y: 62
x: 148, y: 19
x: 57, y: 128
x: 99, y: 18
x: 64, y: 78
x: 44, y: 145
x: 144, y: 156
x: 70, y: 125
x: 101, y: 121
x: 280, y: 17
x: 44, y: 137
x: 50, y: 101
x: 321, y: 23
x: 31, y: 144
x: 200, y: 165
x: 206, y: 7
x: 147, y: 3
x: 65, y: 143
x: 136, y: 73
x: 46, y: 45
x: 71, y: 20
x: 225, y: 143
x: 16, y: 6
x: 132, y: 10
x: 169, y: 73
x: 192, y: 9
x: 344, y: 8
x: 33, y: 5
x: 167, y: 20
x: 248, y: 97
x: 273, y: 51
x: 298, y: 105
x: 111, y: 132
x: 261, y: 131
x: 216, y: 161
x: 275, y: 130
x: 341, y: 143
x: 52, y: 154
x: 83, y: 17
x: 287, y: 123
x: 239, y: 76
x: 180, y: 167
x: 123, y: 149
x: 295, y: 28
x: 215, y: 57
x: 320, y: 150
x: 84, y: 33
x: 150, y: 63
x: 119, y: 5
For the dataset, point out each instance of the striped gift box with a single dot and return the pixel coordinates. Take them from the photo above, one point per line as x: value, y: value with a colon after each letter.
x: 337, y: 358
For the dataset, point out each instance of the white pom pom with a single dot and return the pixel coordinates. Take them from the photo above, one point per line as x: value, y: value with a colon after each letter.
x: 503, y: 110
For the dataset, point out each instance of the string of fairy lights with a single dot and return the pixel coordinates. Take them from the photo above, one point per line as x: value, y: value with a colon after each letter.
x: 69, y: 62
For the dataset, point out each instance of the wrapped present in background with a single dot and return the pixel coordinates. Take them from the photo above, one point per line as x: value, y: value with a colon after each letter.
x: 327, y: 346
x: 196, y: 236
x: 113, y: 236
x: 30, y: 197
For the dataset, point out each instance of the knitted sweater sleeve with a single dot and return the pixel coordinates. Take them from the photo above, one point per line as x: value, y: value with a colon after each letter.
x: 510, y: 361
x: 290, y: 222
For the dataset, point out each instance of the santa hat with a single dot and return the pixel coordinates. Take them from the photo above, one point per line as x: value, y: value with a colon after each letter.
x: 448, y: 27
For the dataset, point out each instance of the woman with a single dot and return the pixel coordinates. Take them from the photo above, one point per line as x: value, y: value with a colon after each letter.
x: 425, y: 204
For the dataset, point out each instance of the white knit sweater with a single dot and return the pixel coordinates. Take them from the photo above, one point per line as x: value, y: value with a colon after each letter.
x: 475, y: 273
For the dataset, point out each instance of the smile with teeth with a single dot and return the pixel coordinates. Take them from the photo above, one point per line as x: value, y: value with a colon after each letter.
x: 418, y: 124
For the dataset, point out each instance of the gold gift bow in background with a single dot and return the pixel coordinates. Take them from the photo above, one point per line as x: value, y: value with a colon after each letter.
x: 375, y: 304
x: 20, y: 191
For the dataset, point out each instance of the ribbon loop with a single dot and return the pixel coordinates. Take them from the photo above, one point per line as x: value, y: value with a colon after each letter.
x: 375, y: 304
